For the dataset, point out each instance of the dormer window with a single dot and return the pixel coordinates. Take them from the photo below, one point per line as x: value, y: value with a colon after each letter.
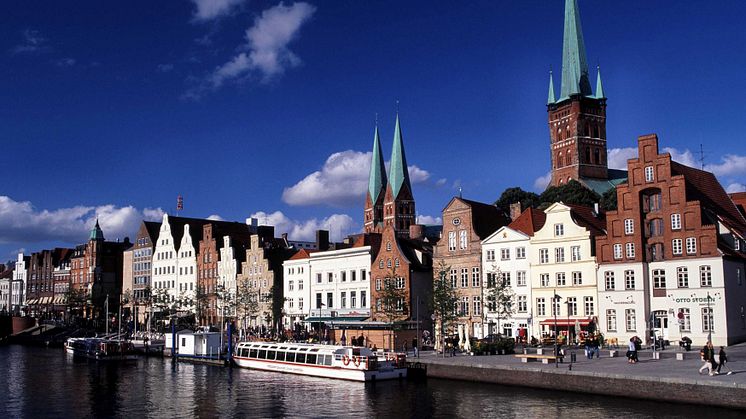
x: 559, y: 230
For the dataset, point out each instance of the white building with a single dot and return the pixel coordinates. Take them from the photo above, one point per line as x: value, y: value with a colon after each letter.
x: 340, y: 285
x: 297, y: 286
x: 227, y: 274
x: 18, y: 285
x: 563, y: 270
x: 174, y: 275
x: 5, y: 280
x: 505, y: 257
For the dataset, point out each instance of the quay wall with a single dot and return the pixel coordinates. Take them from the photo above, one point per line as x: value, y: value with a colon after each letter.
x: 660, y: 389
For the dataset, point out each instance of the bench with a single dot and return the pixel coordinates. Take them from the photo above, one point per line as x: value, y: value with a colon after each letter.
x: 545, y: 359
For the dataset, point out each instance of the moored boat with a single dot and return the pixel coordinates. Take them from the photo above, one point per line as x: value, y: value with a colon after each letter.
x: 103, y: 349
x: 342, y: 362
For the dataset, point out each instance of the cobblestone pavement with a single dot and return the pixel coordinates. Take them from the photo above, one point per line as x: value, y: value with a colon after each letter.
x: 667, y: 368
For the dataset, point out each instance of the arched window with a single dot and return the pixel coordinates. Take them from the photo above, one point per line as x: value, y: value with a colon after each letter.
x: 559, y: 134
x: 568, y: 158
x: 587, y: 155
x: 596, y: 156
x: 559, y: 159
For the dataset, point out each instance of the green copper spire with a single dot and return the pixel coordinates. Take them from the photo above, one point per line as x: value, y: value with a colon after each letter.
x: 599, y: 86
x: 377, y: 179
x: 551, y: 99
x: 574, y: 66
x: 399, y: 174
x: 96, y: 232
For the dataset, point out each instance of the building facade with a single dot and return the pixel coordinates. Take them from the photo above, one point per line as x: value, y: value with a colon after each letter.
x: 297, y: 288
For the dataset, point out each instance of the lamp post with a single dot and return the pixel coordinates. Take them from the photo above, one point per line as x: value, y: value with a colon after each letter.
x: 710, y: 318
x: 319, y: 332
x: 555, y: 309
x: 417, y: 315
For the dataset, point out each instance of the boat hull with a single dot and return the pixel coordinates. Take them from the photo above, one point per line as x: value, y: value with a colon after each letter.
x: 321, y: 370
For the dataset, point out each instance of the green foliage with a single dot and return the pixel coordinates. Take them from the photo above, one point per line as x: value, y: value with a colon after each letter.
x: 570, y: 193
x: 247, y: 299
x: 500, y: 296
x: 443, y: 301
x: 516, y: 194
x: 608, y: 200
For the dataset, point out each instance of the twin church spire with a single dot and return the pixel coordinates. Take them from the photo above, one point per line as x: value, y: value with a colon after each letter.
x: 389, y: 201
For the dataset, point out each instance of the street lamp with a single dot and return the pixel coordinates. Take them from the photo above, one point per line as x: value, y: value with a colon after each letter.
x: 319, y: 332
x: 555, y: 309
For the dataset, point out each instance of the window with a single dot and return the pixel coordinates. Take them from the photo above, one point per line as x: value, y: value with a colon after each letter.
x: 330, y: 277
x: 300, y: 303
x: 629, y: 226
x: 520, y: 253
x: 451, y: 240
x: 560, y: 276
x: 575, y: 252
x: 353, y: 299
x: 589, y: 306
x: 686, y: 316
x: 617, y: 251
x: 705, y: 276
x: 522, y: 303
x: 388, y: 263
x: 707, y: 320
x: 676, y: 246
x: 396, y: 262
x: 464, y: 277
x: 649, y: 174
x: 543, y: 255
x: 630, y: 319
x: 378, y: 284
x: 462, y: 241
x: 318, y: 300
x: 655, y: 227
x: 505, y: 277
x: 329, y: 300
x: 559, y: 254
x: 691, y: 245
x: 380, y: 264
x: 300, y: 285
x: 400, y: 283
x: 477, y: 301
x: 629, y: 279
x: 353, y: 275
x: 464, y: 306
x: 343, y: 298
x: 520, y: 278
x: 630, y: 247
x: 490, y: 255
x: 475, y: 277
x: 344, y: 276
x: 544, y: 278
x: 454, y: 278
x: 659, y: 278
x: 388, y: 246
x: 572, y: 306
x: 541, y: 307
x: 611, y: 320
x: 577, y: 278
x: 656, y: 251
x: 682, y: 273
x: 290, y: 285
x: 675, y: 221
x: 556, y: 306
x: 651, y: 200
x: 609, y: 279
x: 363, y: 298
x: 504, y: 254
x: 559, y: 230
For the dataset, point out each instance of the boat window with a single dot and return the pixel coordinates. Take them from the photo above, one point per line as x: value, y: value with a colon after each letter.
x: 252, y: 353
x: 303, y: 349
x: 311, y: 359
x: 270, y: 354
x: 280, y: 355
x: 300, y: 358
x: 328, y: 360
x: 315, y: 350
x: 262, y: 354
x: 290, y: 357
x: 320, y: 359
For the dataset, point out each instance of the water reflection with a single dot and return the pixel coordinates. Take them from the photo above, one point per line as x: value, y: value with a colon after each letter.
x: 39, y: 382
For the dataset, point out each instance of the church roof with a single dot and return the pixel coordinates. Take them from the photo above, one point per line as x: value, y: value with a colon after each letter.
x: 398, y: 174
x: 377, y: 178
x: 96, y: 232
x: 550, y: 97
x: 600, y: 186
x: 575, y: 78
x: 599, y: 85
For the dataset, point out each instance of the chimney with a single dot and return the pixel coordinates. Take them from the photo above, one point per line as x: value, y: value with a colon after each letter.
x: 515, y: 210
x: 322, y: 240
x: 416, y: 231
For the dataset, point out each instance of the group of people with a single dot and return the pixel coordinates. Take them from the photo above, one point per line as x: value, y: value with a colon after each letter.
x: 711, y: 364
x: 635, y: 343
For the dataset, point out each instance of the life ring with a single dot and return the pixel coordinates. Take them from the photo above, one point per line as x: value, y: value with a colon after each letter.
x: 356, y: 361
x: 346, y: 360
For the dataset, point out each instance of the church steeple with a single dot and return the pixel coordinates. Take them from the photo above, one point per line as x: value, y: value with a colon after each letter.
x: 376, y: 186
x: 96, y: 232
x: 398, y: 208
x: 575, y: 78
x: 550, y: 98
x: 599, y: 86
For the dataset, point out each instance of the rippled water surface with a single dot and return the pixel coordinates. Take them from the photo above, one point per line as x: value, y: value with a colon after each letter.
x: 39, y: 382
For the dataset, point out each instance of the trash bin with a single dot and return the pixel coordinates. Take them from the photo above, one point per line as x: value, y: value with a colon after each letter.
x: 573, y: 357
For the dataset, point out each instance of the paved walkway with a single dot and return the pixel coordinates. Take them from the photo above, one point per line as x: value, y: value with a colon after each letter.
x: 665, y: 369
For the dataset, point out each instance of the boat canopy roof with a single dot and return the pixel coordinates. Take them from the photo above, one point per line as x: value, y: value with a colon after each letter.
x: 308, y: 347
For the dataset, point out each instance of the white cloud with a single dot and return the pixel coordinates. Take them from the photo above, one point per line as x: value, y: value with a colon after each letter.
x: 215, y: 217
x: 341, y: 182
x: 735, y: 187
x: 65, y: 62
x: 266, y: 49
x: 684, y: 157
x: 441, y: 182
x: 33, y: 42
x: 428, y: 219
x: 541, y: 183
x: 211, y: 9
x: 164, y: 68
x: 20, y: 222
x: 730, y: 165
x: 339, y: 225
x: 617, y: 157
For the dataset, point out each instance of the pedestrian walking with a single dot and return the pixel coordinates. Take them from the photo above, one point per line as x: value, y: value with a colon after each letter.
x: 713, y: 361
x: 723, y: 358
x: 706, y: 362
x: 414, y: 347
x: 632, y: 351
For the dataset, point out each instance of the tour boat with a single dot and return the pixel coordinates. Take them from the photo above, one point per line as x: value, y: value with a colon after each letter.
x: 69, y: 348
x: 101, y: 349
x: 343, y: 362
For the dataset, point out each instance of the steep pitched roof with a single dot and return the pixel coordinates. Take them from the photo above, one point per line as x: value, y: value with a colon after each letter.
x: 409, y: 249
x: 302, y: 254
x: 195, y: 228
x: 575, y: 78
x: 704, y: 187
x: 529, y: 222
x: 152, y: 228
x: 587, y: 217
x: 485, y: 218
x: 377, y: 177
x: 399, y: 172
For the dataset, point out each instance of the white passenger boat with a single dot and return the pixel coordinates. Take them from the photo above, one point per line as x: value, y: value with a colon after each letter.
x: 343, y: 362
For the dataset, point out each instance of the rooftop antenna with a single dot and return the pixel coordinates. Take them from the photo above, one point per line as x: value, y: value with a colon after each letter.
x: 701, y: 157
x: 179, y: 204
x: 459, y: 192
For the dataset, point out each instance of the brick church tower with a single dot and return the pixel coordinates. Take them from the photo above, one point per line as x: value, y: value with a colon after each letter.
x: 577, y: 120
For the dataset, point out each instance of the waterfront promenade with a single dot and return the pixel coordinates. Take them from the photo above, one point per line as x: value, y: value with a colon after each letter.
x: 657, y: 379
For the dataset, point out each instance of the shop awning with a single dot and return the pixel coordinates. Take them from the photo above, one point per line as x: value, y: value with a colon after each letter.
x: 31, y: 301
x: 565, y: 322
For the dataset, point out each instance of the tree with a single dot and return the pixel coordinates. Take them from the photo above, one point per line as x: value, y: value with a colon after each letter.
x: 392, y: 301
x: 75, y: 298
x: 201, y: 303
x: 516, y: 194
x: 608, y: 200
x: 500, y: 296
x: 444, y: 302
x: 573, y: 192
x: 246, y: 301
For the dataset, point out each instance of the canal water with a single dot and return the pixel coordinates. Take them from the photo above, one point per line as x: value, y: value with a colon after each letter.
x: 41, y: 382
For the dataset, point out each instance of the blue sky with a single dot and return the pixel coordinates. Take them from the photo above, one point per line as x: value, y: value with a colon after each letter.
x: 112, y: 109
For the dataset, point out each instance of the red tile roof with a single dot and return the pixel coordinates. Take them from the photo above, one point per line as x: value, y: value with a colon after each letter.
x: 587, y: 217
x: 529, y: 222
x: 302, y: 254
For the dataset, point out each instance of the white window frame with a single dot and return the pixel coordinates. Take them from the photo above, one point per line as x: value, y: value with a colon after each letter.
x: 559, y: 230
x: 675, y: 221
x: 617, y: 251
x: 629, y: 226
x: 705, y: 276
x: 691, y: 245
x: 630, y: 248
x: 649, y: 174
x: 609, y: 281
x: 677, y: 246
